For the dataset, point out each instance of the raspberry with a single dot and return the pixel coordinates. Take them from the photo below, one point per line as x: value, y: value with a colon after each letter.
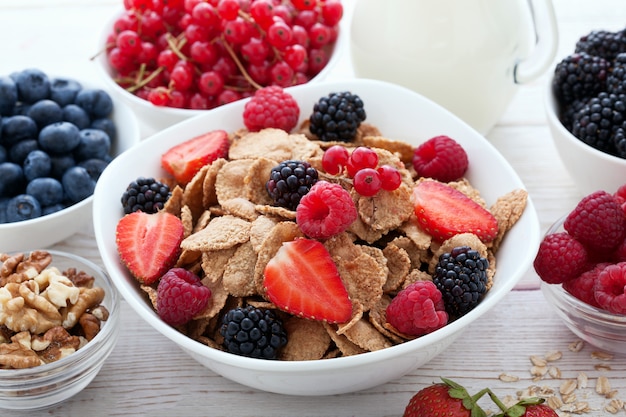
x: 441, y: 158
x: 581, y: 287
x: 418, y: 309
x: 560, y: 258
x: 271, y: 107
x: 609, y: 288
x: 325, y: 211
x: 180, y: 296
x: 597, y: 221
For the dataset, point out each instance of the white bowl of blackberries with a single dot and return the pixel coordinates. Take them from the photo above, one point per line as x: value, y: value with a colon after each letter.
x: 586, y: 110
x: 57, y: 135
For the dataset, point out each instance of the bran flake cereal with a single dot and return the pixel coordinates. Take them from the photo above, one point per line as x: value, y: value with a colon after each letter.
x: 232, y: 231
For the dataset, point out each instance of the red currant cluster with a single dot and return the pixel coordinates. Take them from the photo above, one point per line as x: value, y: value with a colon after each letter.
x: 362, y: 166
x: 199, y: 54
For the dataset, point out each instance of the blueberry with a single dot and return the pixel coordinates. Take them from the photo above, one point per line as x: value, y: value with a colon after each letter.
x: 32, y: 85
x: 16, y: 128
x: 60, y: 164
x: 59, y: 138
x: 36, y: 165
x: 45, y: 112
x: 94, y: 167
x: 107, y: 125
x: 48, y: 191
x: 8, y: 96
x: 22, y: 207
x: 64, y: 90
x: 4, y: 155
x: 52, y: 209
x: 12, y: 179
x: 95, y: 101
x: 75, y: 114
x: 20, y: 150
x: 77, y: 184
x: 94, y: 143
x: 3, y: 209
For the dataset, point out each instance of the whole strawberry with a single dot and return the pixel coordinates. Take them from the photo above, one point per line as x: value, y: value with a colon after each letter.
x: 530, y: 407
x: 445, y: 399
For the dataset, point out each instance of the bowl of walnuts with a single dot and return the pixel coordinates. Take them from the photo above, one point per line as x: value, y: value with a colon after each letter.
x: 59, y: 323
x: 169, y: 63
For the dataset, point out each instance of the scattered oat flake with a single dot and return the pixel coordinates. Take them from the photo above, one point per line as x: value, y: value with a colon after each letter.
x: 614, y: 406
x: 582, y: 380
x: 597, y: 354
x: 576, y: 346
x: 602, y: 367
x: 538, y: 360
x: 603, y: 386
x: 554, y: 355
x: 568, y: 386
x: 508, y: 378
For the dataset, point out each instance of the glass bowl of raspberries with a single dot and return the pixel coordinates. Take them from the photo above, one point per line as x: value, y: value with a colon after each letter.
x: 58, y: 135
x: 57, y: 342
x: 292, y: 252
x: 582, y: 264
x: 173, y: 60
x: 585, y: 106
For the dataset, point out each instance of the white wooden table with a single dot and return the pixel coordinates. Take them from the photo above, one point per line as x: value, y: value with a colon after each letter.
x: 148, y: 375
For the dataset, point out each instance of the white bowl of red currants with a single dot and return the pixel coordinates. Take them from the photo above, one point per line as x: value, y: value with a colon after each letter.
x: 58, y: 135
x: 582, y: 264
x: 171, y: 62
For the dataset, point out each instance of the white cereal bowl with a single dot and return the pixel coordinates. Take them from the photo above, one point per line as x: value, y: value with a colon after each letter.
x: 155, y: 118
x: 50, y: 384
x: 590, y: 168
x: 400, y: 114
x: 45, y: 231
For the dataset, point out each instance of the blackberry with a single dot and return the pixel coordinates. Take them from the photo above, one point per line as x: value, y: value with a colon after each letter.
x: 461, y: 276
x: 616, y: 81
x: 145, y: 194
x: 289, y: 181
x: 602, y: 43
x: 578, y: 76
x: 253, y: 332
x: 619, y: 139
x: 596, y: 123
x: 337, y: 117
x: 567, y: 112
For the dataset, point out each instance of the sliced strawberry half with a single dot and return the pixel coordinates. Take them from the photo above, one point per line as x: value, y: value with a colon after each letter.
x: 184, y: 160
x: 302, y: 279
x: 149, y: 244
x: 444, y: 212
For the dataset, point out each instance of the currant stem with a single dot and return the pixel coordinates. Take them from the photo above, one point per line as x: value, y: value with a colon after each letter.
x: 240, y: 65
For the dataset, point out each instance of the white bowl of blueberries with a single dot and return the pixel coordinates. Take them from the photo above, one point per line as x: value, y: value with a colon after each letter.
x: 57, y: 135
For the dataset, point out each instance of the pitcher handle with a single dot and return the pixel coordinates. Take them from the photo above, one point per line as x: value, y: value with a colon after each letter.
x: 547, y: 39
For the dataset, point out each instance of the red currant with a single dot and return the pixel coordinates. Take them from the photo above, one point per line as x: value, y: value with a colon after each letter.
x: 279, y: 35
x: 281, y: 74
x: 304, y: 4
x: 211, y: 83
x: 306, y: 18
x: 262, y: 11
x: 159, y: 96
x: 228, y: 9
x: 237, y: 31
x: 129, y: 43
x: 255, y: 51
x: 205, y: 15
x: 227, y: 96
x: 203, y: 52
x: 363, y: 157
x: 390, y: 177
x: 318, y: 58
x: 182, y: 75
x: 334, y: 159
x: 167, y: 59
x: 367, y: 182
x: 295, y: 56
x: 332, y: 12
x: 319, y: 34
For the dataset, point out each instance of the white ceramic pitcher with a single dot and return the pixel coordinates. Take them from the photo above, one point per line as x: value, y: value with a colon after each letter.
x: 467, y: 55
